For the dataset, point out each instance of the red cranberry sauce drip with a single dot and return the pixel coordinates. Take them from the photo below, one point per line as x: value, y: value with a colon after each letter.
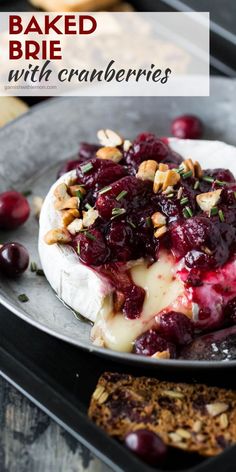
x: 124, y: 231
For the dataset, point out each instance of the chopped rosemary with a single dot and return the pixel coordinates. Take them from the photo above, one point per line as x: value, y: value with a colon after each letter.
x: 40, y: 272
x: 149, y: 221
x: 121, y: 195
x: 90, y: 236
x: 183, y: 200
x: 180, y: 170
x: 87, y: 167
x: 88, y: 206
x: 220, y: 182
x: 33, y: 267
x: 117, y: 212
x: 27, y: 193
x: 214, y: 211
x: 104, y: 190
x: 187, y: 212
x: 207, y: 178
x: 169, y: 195
x: 23, y: 298
x: 221, y: 216
x: 78, y: 248
x: 188, y: 174
x: 79, y: 194
x: 196, y: 185
x: 132, y: 224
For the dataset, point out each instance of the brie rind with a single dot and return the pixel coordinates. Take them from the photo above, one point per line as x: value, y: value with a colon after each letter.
x: 86, y: 292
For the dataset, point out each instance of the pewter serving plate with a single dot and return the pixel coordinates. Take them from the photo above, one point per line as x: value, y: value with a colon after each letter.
x: 31, y: 150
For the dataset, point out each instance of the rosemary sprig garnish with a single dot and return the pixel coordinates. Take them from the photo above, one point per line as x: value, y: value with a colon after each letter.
x: 188, y: 174
x: 104, y: 190
x: 88, y: 206
x: 87, y: 167
x: 121, y: 195
x: 33, y: 267
x: 220, y: 182
x: 23, y: 298
x: 196, y: 185
x: 90, y: 236
x: 207, y: 178
x: 27, y: 193
x: 79, y: 194
x: 214, y: 211
x: 187, y: 212
x: 117, y: 212
x: 183, y: 200
x: 221, y: 216
x: 131, y: 224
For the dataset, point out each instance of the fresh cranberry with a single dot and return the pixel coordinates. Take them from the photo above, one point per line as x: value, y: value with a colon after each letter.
x: 169, y: 206
x: 230, y: 311
x: 151, y: 342
x: 98, y: 173
x: 14, y: 210
x: 14, y: 259
x: 146, y: 445
x: 91, y: 247
x: 87, y: 151
x: 134, y: 299
x: 194, y: 278
x: 175, y: 327
x: 187, y: 127
x: 228, y: 194
x: 120, y: 240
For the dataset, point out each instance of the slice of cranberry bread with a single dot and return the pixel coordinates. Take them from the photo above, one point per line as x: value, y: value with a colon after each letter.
x: 191, y: 417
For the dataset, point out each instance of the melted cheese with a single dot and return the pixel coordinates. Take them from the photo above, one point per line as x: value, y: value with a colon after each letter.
x: 162, y: 290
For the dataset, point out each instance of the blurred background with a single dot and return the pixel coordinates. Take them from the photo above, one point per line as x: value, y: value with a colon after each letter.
x: 222, y: 35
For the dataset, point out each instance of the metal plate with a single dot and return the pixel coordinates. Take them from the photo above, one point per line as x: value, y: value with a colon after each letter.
x: 30, y: 150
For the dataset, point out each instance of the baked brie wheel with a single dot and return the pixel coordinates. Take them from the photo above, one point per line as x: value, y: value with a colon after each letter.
x: 139, y: 238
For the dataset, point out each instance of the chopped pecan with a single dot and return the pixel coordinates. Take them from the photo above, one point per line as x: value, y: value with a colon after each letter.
x: 69, y: 215
x: 160, y: 231
x: 76, y: 226
x: 89, y: 217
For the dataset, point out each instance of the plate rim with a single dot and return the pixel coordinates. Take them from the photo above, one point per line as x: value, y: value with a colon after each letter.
x: 105, y: 352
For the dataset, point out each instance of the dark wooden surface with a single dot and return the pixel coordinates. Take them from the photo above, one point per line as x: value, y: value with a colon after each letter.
x: 31, y: 442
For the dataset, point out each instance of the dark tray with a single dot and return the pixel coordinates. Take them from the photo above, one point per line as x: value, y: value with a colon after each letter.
x: 60, y: 379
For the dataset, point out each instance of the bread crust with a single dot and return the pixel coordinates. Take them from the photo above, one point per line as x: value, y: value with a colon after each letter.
x: 195, y: 417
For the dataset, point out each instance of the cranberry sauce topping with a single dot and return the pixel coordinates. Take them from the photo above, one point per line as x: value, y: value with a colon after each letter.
x: 200, y: 230
x: 151, y: 342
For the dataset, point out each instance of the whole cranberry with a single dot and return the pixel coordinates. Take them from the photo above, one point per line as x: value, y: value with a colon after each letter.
x: 120, y: 240
x: 175, y: 327
x: 14, y: 259
x: 187, y: 127
x: 91, y: 247
x: 14, y: 210
x: 134, y: 299
x: 151, y: 342
x: 230, y: 311
x: 97, y: 173
x: 146, y: 445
